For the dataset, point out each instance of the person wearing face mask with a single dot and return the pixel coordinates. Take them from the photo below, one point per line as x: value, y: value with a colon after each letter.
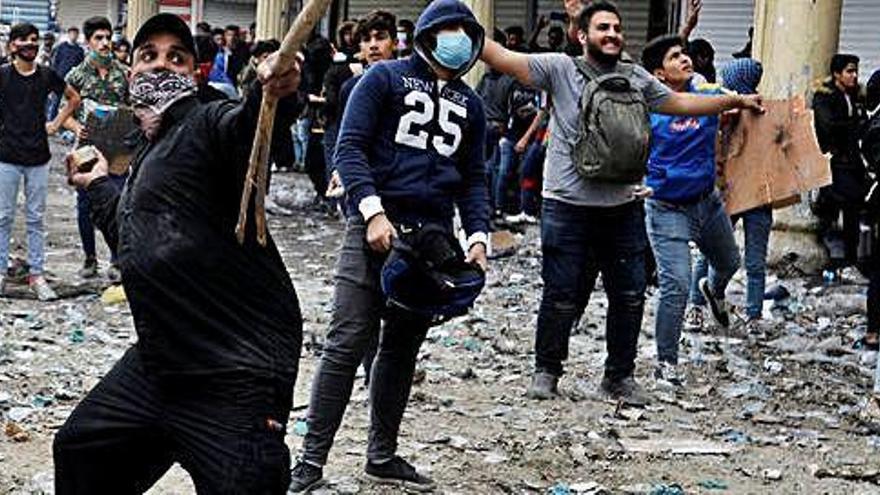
x: 405, y: 29
x: 100, y: 80
x: 209, y: 382
x: 591, y: 225
x: 24, y: 147
x: 410, y: 149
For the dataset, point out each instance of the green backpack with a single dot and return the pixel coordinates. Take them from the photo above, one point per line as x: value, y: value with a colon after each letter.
x: 614, y: 136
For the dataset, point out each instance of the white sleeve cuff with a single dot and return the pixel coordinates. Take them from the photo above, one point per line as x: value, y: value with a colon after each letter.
x: 476, y: 238
x: 370, y: 207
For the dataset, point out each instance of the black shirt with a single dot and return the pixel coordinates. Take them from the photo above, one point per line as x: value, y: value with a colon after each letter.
x: 201, y: 303
x: 333, y: 81
x: 23, y: 139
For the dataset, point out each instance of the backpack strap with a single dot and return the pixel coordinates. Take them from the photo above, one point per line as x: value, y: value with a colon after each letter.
x: 587, y: 70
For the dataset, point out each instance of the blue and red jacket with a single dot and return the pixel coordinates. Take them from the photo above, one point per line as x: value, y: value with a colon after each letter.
x: 681, y: 167
x: 415, y: 142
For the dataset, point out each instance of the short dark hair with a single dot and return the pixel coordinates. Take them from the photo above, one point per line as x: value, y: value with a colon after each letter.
x: 656, y: 49
x: 216, y: 31
x: 556, y: 29
x: 345, y: 27
x: 122, y: 42
x: 97, y: 23
x: 73, y: 28
x: 407, y: 25
x: 22, y: 30
x: 377, y: 20
x: 838, y: 62
x: 204, y: 26
x: 700, y: 47
x: 515, y: 30
x: 593, y: 8
x: 232, y: 27
x: 265, y: 46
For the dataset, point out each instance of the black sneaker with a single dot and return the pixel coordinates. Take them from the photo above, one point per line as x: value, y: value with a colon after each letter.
x: 400, y: 473
x: 543, y: 387
x: 626, y: 390
x: 717, y: 306
x: 305, y: 477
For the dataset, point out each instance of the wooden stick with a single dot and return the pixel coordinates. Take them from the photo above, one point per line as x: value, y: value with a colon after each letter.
x: 258, y: 166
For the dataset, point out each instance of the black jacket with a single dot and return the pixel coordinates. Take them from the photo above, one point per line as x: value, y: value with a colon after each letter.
x: 839, y: 127
x: 201, y: 303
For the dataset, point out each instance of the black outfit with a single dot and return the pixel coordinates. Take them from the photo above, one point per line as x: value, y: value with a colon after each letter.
x: 23, y: 139
x: 209, y: 382
x: 839, y: 121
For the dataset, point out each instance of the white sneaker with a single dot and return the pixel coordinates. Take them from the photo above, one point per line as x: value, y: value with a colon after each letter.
x: 694, y: 319
x: 41, y: 288
x: 666, y: 376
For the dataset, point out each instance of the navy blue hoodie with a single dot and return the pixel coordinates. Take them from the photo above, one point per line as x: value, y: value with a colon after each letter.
x: 414, y: 142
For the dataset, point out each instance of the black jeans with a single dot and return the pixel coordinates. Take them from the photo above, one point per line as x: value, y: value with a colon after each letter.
x: 227, y: 431
x: 577, y: 243
x: 874, y: 291
x: 358, y: 310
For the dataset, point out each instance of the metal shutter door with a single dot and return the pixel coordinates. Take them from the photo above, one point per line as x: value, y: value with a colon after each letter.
x: 403, y: 9
x: 636, y: 14
x: 34, y: 11
x: 74, y: 12
x: 511, y: 13
x: 219, y: 14
x: 859, y: 34
x: 725, y: 23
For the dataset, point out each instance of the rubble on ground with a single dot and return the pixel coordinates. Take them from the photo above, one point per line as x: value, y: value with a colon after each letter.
x: 775, y: 408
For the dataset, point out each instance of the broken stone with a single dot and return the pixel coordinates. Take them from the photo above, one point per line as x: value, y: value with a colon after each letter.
x: 683, y: 446
x: 771, y: 474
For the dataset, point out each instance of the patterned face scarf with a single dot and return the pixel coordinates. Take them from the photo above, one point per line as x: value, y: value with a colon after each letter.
x: 152, y: 93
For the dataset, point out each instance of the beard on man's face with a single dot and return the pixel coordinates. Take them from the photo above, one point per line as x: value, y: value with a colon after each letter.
x: 28, y: 53
x: 603, y: 58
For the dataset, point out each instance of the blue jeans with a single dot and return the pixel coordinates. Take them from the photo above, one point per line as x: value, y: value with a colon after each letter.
x: 757, y: 224
x: 36, y: 180
x: 577, y: 243
x: 530, y: 178
x: 670, y: 228
x: 84, y: 221
x: 505, y: 164
x: 301, y: 139
x: 493, y: 138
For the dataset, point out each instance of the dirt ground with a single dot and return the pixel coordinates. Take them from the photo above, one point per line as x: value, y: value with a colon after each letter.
x: 773, y: 412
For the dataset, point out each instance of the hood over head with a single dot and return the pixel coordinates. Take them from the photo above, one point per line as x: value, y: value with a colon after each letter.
x: 742, y: 75
x: 441, y: 13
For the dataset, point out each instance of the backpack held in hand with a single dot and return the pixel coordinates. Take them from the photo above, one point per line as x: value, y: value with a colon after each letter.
x: 426, y: 274
x: 614, y: 137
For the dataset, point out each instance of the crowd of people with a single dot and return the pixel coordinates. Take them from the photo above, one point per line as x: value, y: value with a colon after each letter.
x: 615, y: 158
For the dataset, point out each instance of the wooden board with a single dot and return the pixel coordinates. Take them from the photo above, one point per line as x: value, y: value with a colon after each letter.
x: 771, y: 158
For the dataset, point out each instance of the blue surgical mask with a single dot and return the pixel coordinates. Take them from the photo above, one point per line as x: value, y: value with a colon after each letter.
x: 453, y: 50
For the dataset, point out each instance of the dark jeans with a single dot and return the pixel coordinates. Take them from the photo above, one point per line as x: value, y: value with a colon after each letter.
x: 530, y: 178
x: 358, y: 309
x: 757, y: 224
x: 842, y: 243
x: 874, y: 291
x: 227, y: 431
x: 314, y: 163
x: 84, y: 221
x: 579, y: 242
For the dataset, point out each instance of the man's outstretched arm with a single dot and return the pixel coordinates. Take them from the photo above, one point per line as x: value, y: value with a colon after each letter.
x: 507, y: 61
x: 694, y: 104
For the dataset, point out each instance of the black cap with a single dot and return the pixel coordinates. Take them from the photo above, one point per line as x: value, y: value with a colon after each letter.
x: 165, y: 23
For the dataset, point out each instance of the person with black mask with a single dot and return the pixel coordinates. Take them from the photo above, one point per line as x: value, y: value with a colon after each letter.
x: 24, y: 147
x: 209, y: 382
